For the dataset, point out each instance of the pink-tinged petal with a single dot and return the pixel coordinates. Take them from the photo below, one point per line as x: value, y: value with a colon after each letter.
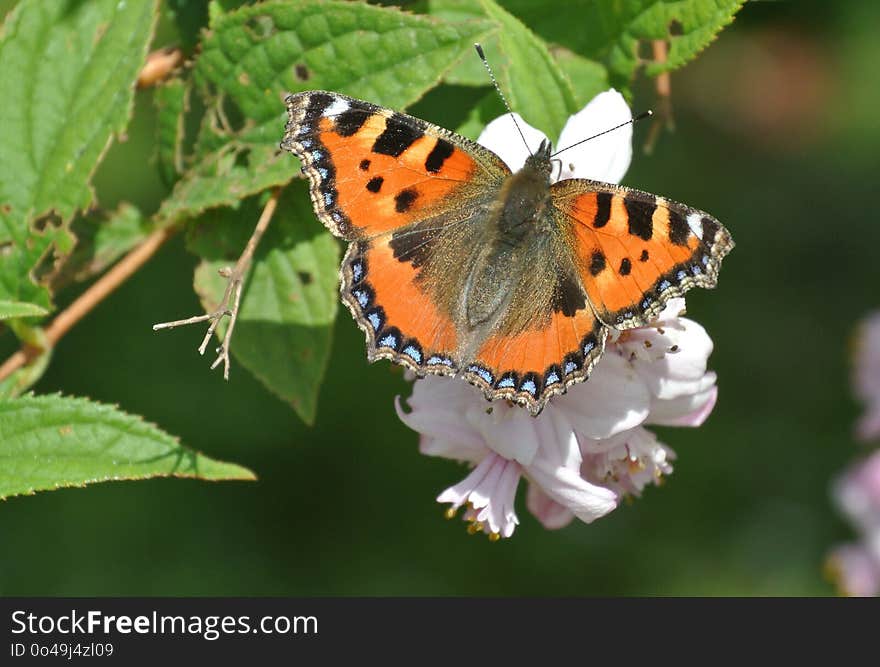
x: 868, y: 426
x: 614, y: 399
x: 502, y: 138
x: 556, y: 470
x: 489, y: 491
x: 586, y: 501
x: 854, y: 570
x: 626, y: 462
x: 456, y: 450
x: 551, y: 514
x: 671, y: 357
x: 857, y: 493
x: 604, y: 158
x: 688, y: 410
x: 507, y: 429
x: 436, y: 406
x: 866, y: 376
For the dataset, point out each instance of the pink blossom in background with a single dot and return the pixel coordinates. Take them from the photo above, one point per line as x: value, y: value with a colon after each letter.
x: 866, y: 376
x: 855, y: 567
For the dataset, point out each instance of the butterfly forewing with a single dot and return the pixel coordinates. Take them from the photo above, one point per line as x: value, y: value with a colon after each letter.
x: 634, y: 251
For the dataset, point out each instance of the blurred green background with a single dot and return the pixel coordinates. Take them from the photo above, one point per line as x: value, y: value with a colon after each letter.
x: 777, y: 136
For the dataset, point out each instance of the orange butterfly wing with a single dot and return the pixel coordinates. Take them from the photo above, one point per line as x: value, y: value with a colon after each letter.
x: 634, y: 251
x: 631, y: 252
x: 388, y: 183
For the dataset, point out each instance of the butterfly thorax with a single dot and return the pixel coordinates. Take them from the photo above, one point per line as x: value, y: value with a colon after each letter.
x: 518, y: 223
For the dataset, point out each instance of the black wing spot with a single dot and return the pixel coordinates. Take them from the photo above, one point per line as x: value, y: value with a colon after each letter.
x: 399, y: 134
x: 640, y: 214
x: 364, y: 165
x: 625, y: 266
x: 568, y: 298
x: 442, y: 150
x: 375, y: 184
x: 404, y: 200
x: 350, y: 121
x: 710, y: 229
x: 603, y: 209
x: 644, y: 256
x: 678, y: 229
x: 414, y: 246
x: 597, y: 263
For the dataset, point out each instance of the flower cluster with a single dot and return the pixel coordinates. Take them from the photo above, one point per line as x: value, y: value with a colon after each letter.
x: 855, y: 567
x: 589, y: 448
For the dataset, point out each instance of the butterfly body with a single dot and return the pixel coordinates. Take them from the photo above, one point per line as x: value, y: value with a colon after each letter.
x: 457, y: 266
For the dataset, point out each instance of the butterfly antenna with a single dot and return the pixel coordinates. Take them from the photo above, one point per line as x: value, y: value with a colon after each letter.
x: 482, y: 55
x: 641, y: 116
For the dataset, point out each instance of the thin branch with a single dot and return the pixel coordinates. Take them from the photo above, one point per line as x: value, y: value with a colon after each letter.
x: 96, y: 293
x: 663, y: 86
x: 235, y: 277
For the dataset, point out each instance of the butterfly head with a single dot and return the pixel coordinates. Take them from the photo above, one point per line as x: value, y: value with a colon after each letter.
x: 539, y: 161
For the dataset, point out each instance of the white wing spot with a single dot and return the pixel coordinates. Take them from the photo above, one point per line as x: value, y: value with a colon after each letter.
x: 339, y: 105
x: 695, y: 222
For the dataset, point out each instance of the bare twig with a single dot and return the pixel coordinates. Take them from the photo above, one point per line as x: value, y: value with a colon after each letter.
x: 96, y: 293
x: 235, y: 277
x: 663, y: 118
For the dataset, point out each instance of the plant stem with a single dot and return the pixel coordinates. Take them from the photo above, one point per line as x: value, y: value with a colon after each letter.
x: 231, y: 301
x: 96, y: 293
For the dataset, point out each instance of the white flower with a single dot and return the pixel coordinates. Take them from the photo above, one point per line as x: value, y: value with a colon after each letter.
x: 588, y: 448
x: 856, y: 567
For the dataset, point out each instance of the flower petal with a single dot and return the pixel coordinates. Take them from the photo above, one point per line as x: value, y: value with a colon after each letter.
x: 586, y: 501
x: 551, y: 514
x: 502, y: 138
x: 604, y: 158
x: 557, y: 471
x: 507, y: 429
x: 687, y: 410
x: 855, y: 571
x: 614, y: 399
x: 436, y: 406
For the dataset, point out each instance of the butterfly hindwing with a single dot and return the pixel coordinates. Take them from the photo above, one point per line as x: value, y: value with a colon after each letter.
x: 634, y: 251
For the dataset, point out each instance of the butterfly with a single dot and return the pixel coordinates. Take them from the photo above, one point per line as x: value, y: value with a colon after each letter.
x: 457, y: 266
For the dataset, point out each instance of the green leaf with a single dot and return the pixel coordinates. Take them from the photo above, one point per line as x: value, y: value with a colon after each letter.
x: 610, y: 32
x: 284, y: 330
x: 10, y: 309
x: 251, y: 56
x: 535, y: 85
x: 588, y: 78
x: 380, y: 54
x: 102, y: 237
x: 69, y: 70
x: 469, y: 71
x: 172, y: 101
x: 50, y: 442
x: 224, y: 178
